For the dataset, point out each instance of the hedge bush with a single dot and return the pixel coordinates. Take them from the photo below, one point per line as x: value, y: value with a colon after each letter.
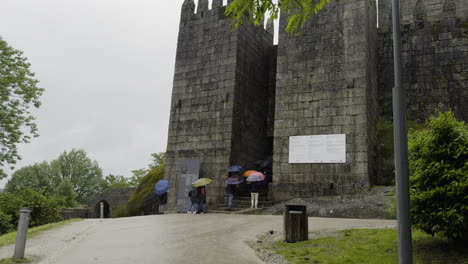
x: 438, y: 159
x: 5, y: 223
x: 45, y: 208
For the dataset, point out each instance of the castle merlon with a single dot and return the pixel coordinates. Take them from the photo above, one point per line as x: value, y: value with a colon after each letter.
x: 202, y: 6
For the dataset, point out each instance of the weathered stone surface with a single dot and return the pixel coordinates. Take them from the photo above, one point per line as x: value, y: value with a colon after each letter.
x: 434, y: 57
x: 326, y: 84
x: 237, y: 98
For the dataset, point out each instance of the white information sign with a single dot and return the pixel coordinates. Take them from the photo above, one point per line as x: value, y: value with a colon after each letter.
x: 317, y: 149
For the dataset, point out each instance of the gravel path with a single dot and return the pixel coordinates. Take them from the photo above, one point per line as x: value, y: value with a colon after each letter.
x: 172, y: 239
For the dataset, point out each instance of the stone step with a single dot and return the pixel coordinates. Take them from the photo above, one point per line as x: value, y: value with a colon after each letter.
x: 244, y: 198
x: 236, y: 209
x: 248, y: 203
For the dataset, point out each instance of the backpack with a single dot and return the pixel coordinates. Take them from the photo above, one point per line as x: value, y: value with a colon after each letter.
x: 191, y: 193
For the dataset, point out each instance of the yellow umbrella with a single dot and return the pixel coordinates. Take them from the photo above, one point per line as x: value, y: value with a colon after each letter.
x: 201, y: 182
x: 247, y: 173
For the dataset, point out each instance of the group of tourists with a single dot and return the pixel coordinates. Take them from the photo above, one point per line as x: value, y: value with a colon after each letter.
x: 257, y: 181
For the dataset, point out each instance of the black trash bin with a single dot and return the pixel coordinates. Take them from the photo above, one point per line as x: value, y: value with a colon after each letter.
x: 296, y: 225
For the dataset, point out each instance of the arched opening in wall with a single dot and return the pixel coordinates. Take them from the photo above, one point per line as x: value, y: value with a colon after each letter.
x: 105, y: 209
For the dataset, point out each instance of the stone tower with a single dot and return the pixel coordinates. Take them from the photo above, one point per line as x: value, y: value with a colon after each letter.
x: 326, y: 84
x: 220, y: 100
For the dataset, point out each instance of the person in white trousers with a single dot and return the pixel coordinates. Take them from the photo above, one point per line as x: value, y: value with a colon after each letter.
x: 254, y: 188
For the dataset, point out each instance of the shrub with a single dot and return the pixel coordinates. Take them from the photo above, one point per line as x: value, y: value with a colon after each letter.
x: 5, y: 223
x: 438, y: 159
x: 44, y: 208
x: 144, y: 188
x: 121, y: 211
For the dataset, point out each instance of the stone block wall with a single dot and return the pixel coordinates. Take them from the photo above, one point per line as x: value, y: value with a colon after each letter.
x: 434, y: 35
x: 326, y: 85
x: 215, y: 114
x: 115, y: 197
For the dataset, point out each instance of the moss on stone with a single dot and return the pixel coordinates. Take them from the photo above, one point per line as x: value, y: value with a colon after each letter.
x: 144, y: 188
x: 384, y: 133
x: 435, y: 31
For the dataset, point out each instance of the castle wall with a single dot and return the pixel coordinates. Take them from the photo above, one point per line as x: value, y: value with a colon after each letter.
x: 215, y: 114
x: 326, y: 85
x: 434, y: 36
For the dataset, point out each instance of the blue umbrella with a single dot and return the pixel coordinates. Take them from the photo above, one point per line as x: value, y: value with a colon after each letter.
x: 236, y: 168
x: 161, y: 187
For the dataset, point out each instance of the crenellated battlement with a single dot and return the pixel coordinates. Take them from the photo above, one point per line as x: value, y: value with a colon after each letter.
x: 191, y: 12
x: 202, y: 16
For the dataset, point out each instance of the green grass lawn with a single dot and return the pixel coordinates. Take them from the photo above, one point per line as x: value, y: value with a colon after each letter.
x: 10, y: 238
x: 371, y: 246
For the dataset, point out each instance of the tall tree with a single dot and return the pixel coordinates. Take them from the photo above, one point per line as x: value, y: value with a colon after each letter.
x: 157, y: 159
x: 85, y: 174
x: 116, y: 181
x: 38, y: 177
x: 299, y: 11
x: 65, y: 190
x: 18, y: 93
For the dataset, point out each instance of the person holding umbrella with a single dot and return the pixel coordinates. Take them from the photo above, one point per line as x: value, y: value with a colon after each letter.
x: 201, y: 190
x: 254, y: 187
x: 161, y: 189
x: 231, y: 189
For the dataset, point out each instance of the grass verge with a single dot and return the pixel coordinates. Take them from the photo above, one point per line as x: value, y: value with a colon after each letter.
x: 370, y: 246
x: 14, y: 261
x: 10, y: 238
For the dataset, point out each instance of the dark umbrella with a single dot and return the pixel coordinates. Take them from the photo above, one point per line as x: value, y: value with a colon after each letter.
x: 161, y: 187
x: 262, y: 164
x: 236, y: 168
x: 234, y: 180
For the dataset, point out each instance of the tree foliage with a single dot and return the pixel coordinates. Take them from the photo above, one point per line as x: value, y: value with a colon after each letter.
x: 85, y: 174
x: 438, y: 159
x: 18, y: 93
x: 299, y: 11
x: 157, y: 159
x: 45, y: 208
x: 116, y: 181
x: 38, y: 177
x: 65, y: 190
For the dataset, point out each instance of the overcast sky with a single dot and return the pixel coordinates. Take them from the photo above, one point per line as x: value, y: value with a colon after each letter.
x: 107, y: 67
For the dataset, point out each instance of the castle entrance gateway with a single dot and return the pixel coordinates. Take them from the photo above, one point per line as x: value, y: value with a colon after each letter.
x: 102, y: 209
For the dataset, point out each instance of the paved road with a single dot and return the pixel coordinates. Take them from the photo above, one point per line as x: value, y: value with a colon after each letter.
x: 171, y: 239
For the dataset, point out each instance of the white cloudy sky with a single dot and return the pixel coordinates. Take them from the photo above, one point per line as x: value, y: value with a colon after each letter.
x: 107, y: 67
